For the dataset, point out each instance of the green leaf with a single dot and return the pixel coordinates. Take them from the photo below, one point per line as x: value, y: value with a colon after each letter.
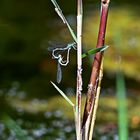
x: 15, y: 128
x: 63, y: 94
x: 93, y: 51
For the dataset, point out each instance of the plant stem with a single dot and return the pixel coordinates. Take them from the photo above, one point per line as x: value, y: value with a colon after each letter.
x: 79, y: 68
x: 93, y: 118
x: 94, y: 79
x: 122, y: 106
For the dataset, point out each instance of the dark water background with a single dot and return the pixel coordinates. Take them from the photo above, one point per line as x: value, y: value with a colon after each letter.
x: 30, y: 108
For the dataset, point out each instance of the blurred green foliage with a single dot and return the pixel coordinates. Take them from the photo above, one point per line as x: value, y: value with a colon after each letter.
x: 123, y: 31
x: 15, y: 128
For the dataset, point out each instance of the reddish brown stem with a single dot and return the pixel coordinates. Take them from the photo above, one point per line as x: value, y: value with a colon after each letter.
x: 96, y: 63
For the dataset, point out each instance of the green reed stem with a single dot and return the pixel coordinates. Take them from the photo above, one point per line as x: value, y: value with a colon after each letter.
x: 122, y: 109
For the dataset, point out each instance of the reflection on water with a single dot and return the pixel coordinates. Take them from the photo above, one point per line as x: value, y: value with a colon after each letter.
x: 56, y: 129
x: 22, y: 124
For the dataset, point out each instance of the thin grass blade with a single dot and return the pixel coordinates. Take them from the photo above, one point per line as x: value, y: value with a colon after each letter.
x: 93, y: 51
x: 63, y: 95
x: 61, y: 15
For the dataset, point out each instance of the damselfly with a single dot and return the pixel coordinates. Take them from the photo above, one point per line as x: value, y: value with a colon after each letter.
x: 59, y: 52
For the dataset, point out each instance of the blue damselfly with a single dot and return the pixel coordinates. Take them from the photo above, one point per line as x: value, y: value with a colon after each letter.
x: 59, y: 51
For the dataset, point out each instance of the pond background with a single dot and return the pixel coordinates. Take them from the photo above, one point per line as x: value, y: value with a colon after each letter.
x: 27, y: 98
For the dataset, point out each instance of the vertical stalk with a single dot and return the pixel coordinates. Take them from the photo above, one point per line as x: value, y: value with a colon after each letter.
x: 94, y: 79
x: 79, y: 68
x: 96, y: 102
x: 122, y: 106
